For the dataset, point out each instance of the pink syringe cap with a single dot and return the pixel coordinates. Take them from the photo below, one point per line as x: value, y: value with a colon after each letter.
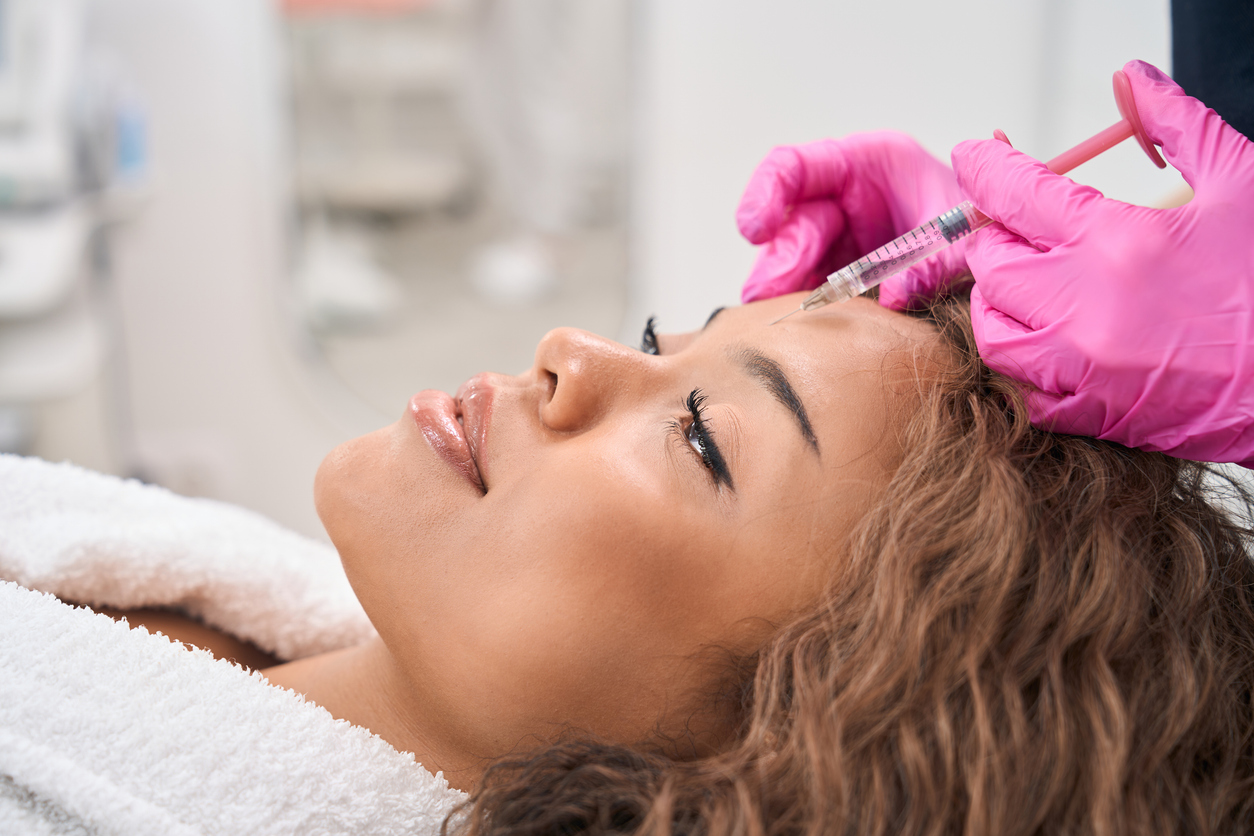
x: 1127, y: 109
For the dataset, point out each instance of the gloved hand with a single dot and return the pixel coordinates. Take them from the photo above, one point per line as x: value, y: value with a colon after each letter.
x: 1132, y: 324
x: 819, y: 206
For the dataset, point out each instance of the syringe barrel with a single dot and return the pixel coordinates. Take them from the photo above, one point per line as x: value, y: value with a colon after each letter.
x: 899, y: 254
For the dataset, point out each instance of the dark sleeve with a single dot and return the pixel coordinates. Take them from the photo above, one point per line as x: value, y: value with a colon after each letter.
x: 1212, y: 56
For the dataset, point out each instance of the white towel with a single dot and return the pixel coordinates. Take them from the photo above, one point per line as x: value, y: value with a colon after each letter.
x: 104, y: 729
x: 99, y: 540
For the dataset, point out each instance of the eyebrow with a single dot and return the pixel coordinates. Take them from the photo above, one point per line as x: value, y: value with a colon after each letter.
x: 767, y: 372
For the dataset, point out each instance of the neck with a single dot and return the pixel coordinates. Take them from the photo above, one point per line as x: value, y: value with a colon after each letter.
x: 365, y: 686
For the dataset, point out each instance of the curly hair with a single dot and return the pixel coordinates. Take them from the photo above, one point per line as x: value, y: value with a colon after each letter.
x: 1032, y: 633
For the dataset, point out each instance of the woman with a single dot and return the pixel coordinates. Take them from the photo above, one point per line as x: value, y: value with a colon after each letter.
x: 818, y: 577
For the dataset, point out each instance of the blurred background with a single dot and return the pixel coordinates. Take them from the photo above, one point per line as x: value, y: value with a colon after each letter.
x: 234, y: 233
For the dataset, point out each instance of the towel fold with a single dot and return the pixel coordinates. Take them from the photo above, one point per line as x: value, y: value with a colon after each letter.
x: 105, y: 729
x: 103, y: 541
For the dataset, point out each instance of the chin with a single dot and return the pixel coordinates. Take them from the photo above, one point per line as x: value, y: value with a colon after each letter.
x: 351, y: 487
x: 335, y: 472
x: 380, y: 499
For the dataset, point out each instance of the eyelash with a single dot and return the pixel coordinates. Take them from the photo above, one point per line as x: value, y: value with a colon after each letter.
x: 648, y: 340
x: 703, y: 445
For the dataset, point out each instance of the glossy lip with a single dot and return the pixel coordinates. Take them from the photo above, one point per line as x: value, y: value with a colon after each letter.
x: 436, y: 415
x: 474, y: 403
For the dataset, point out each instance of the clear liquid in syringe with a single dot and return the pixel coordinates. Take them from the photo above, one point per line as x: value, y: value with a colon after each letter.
x: 897, y: 255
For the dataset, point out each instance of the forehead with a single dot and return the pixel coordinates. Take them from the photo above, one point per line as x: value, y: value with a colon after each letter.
x: 848, y: 337
x: 858, y: 321
x: 858, y: 330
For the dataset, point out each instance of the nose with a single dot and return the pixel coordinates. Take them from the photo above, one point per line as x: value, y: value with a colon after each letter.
x: 586, y: 377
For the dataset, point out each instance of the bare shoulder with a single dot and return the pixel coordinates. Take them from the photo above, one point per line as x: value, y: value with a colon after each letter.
x: 188, y: 630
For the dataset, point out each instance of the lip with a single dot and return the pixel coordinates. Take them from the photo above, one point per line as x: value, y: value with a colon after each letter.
x: 474, y: 402
x: 436, y: 415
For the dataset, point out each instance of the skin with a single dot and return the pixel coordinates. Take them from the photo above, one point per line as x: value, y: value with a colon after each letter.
x: 605, y: 576
x: 187, y: 630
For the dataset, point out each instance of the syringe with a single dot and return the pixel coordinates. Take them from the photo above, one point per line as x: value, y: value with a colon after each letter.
x: 964, y: 219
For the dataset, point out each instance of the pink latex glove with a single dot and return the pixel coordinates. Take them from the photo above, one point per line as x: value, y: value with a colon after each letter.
x: 1134, y: 325
x: 819, y: 206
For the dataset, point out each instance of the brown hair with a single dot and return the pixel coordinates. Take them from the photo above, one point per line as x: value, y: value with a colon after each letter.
x: 1032, y: 633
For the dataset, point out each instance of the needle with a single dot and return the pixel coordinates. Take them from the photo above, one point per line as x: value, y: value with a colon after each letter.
x: 785, y: 316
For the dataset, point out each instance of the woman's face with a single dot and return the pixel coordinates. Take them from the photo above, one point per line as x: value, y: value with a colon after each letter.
x: 574, y: 546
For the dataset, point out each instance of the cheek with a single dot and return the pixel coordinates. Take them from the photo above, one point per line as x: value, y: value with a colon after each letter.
x: 583, y: 599
x: 601, y: 543
x: 624, y: 556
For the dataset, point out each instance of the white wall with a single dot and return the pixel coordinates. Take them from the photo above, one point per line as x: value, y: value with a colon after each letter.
x: 719, y: 82
x: 220, y: 403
